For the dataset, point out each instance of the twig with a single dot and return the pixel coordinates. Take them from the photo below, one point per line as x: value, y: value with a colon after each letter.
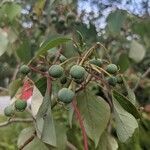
x: 3, y: 89
x: 78, y: 115
x: 71, y: 146
x: 40, y: 72
x: 16, y: 120
x: 88, y: 53
x: 15, y: 73
x: 85, y: 84
x: 57, y: 55
x: 27, y: 141
x: 143, y: 76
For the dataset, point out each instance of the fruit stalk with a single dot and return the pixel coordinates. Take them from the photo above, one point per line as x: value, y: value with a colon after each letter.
x: 78, y: 115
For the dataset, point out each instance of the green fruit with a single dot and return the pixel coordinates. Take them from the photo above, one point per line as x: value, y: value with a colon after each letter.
x: 63, y: 80
x: 54, y: 20
x: 112, y: 80
x: 77, y: 72
x: 62, y: 58
x: 66, y: 95
x: 24, y: 69
x: 112, y: 68
x: 9, y: 111
x: 77, y: 22
x: 53, y: 13
x: 61, y: 20
x: 79, y: 81
x: 56, y: 71
x: 43, y: 68
x: 71, y: 15
x: 97, y: 62
x: 20, y: 105
x: 119, y: 79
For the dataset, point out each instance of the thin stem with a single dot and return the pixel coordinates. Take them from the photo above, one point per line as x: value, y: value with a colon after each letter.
x: 78, y: 115
x: 71, y: 146
x: 16, y: 120
x: 99, y: 69
x: 88, y: 53
x: 143, y: 76
x: 27, y: 141
x: 40, y: 72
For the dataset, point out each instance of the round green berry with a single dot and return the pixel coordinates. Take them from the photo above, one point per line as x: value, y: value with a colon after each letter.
x: 56, y: 71
x: 24, y: 69
x: 66, y: 95
x: 77, y: 72
x: 61, y: 20
x: 53, y: 13
x: 9, y: 111
x: 119, y: 79
x: 54, y: 20
x: 62, y: 58
x: 63, y: 80
x: 112, y: 80
x: 71, y: 15
x: 97, y: 62
x: 20, y: 105
x: 79, y: 81
x: 112, y: 68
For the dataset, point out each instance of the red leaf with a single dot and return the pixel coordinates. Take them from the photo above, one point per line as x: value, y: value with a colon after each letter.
x: 27, y: 90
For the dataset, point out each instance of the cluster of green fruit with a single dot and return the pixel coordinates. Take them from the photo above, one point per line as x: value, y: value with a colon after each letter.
x: 77, y: 72
x: 63, y: 21
x: 112, y: 69
x: 19, y: 105
x: 113, y: 80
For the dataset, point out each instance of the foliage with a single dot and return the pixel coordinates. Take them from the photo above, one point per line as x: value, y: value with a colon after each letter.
x: 77, y: 82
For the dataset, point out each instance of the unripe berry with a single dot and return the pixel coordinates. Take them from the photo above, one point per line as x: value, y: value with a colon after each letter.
x: 119, y: 79
x: 112, y: 68
x: 71, y: 15
x: 62, y: 58
x: 20, y: 105
x: 9, y: 111
x: 24, y: 69
x: 53, y: 13
x: 77, y: 72
x: 97, y: 62
x: 112, y: 80
x: 66, y: 95
x: 61, y: 20
x: 54, y: 20
x: 63, y: 80
x: 56, y: 71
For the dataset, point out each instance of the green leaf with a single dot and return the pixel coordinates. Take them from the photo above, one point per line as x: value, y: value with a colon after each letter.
x: 44, y: 122
x: 70, y: 115
x: 24, y: 51
x: 36, y: 101
x: 123, y: 62
x: 126, y: 104
x: 125, y: 122
x: 41, y: 85
x: 137, y: 51
x: 25, y: 134
x: 130, y: 92
x: 115, y: 21
x: 61, y: 136
x: 51, y: 44
x: 3, y: 41
x: 14, y: 86
x: 107, y: 142
x: 95, y: 113
x: 36, y: 144
x: 12, y: 10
